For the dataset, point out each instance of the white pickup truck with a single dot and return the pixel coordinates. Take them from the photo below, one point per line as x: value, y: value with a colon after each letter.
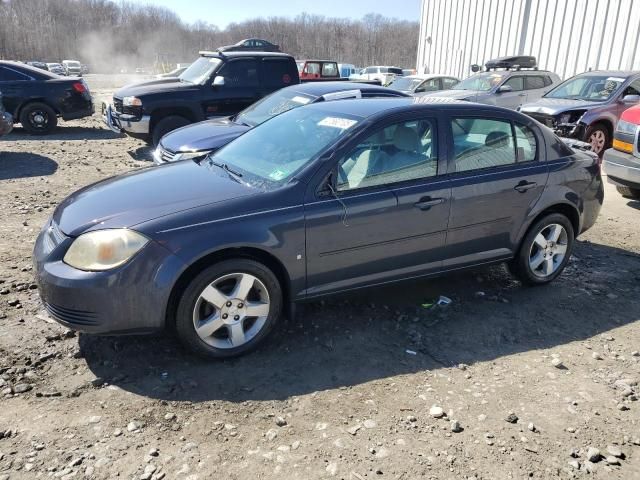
x: 384, y: 75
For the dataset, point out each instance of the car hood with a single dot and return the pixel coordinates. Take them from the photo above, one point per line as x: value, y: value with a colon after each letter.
x: 163, y: 85
x: 207, y: 135
x: 456, y: 94
x: 144, y: 195
x: 555, y: 106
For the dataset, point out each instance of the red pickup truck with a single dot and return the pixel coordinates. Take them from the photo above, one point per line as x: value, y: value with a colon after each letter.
x: 622, y: 162
x: 318, y: 70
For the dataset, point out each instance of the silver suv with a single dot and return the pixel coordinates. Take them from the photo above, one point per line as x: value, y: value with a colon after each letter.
x: 509, y: 88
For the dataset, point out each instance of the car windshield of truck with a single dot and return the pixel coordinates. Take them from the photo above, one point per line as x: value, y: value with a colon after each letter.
x: 405, y: 84
x: 275, y: 151
x: 596, y: 88
x: 275, y: 104
x: 395, y: 71
x: 482, y: 82
x: 73, y: 64
x: 200, y: 70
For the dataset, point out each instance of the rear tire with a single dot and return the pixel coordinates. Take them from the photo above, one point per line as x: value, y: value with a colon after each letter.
x: 545, y: 250
x: 166, y: 125
x: 598, y: 136
x: 38, y: 118
x: 229, y: 308
x: 629, y: 192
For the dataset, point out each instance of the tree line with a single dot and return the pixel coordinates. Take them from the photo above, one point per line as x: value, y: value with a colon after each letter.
x: 109, y: 35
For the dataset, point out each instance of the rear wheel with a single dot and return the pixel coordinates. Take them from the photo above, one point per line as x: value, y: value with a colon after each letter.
x: 598, y: 137
x: 38, y: 118
x: 545, y: 250
x: 629, y: 192
x: 229, y: 308
x: 166, y: 125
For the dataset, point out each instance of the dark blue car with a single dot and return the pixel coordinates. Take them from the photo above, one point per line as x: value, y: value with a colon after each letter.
x: 197, y: 140
x: 322, y: 199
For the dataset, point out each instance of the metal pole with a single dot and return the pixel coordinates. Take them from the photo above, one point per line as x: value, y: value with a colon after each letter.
x: 524, y: 26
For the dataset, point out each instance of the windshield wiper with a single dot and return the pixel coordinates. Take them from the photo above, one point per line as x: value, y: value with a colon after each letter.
x: 234, y: 175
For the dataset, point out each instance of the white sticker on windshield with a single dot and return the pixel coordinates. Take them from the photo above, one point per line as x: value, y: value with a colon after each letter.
x: 615, y: 79
x: 278, y: 174
x: 337, y: 122
x: 302, y: 100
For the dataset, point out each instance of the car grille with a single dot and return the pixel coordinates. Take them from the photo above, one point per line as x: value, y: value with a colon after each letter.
x: 117, y: 104
x: 120, y: 108
x: 53, y: 236
x: 71, y: 316
x: 546, y: 120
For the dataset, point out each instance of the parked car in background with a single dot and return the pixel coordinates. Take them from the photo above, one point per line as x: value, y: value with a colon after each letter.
x: 251, y: 45
x: 318, y: 70
x: 408, y: 71
x: 622, y: 162
x: 56, y: 68
x: 40, y: 65
x: 215, y: 85
x: 36, y: 98
x: 72, y: 68
x: 6, y: 120
x: 384, y: 75
x: 510, y: 87
x: 175, y: 73
x: 197, y: 140
x: 421, y: 84
x: 587, y: 107
x: 347, y: 69
x: 320, y: 200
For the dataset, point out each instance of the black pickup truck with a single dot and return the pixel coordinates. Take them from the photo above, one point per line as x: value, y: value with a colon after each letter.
x: 36, y: 98
x: 217, y: 84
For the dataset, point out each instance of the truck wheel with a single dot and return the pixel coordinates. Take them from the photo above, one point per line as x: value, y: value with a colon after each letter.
x: 166, y: 125
x: 629, y: 192
x: 38, y: 118
x: 598, y: 136
x: 229, y: 308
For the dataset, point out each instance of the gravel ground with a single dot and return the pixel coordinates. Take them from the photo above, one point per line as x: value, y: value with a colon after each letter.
x: 505, y: 382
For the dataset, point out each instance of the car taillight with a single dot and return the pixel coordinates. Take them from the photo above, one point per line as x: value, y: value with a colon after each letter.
x: 79, y: 87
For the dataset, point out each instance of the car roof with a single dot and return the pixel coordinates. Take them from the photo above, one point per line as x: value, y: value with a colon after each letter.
x: 208, y: 53
x: 617, y: 73
x: 26, y: 68
x: 322, y: 88
x: 424, y: 76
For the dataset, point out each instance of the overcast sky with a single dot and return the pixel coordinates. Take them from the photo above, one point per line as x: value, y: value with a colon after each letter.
x: 223, y: 12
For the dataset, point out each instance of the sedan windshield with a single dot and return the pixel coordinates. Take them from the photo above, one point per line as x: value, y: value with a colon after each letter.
x: 274, y: 151
x: 200, y: 70
x: 482, y: 82
x: 597, y: 88
x: 275, y: 104
x: 406, y: 84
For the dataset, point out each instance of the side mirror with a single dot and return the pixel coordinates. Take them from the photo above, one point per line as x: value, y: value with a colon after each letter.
x: 218, y: 81
x: 631, y: 99
x: 504, y: 89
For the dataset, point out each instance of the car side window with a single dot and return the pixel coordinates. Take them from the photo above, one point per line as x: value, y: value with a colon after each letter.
x: 312, y: 68
x: 277, y: 72
x: 532, y: 82
x: 329, y: 70
x: 633, y: 88
x: 547, y: 81
x: 10, y: 75
x: 482, y: 143
x: 430, y: 85
x: 241, y: 73
x: 516, y: 83
x: 449, y: 83
x: 402, y: 151
x: 526, y: 144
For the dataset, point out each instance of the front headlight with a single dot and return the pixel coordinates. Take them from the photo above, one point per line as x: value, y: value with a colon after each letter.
x: 626, y: 127
x: 131, y: 102
x: 104, y: 249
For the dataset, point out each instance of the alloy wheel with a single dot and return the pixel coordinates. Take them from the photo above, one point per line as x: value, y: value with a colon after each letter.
x: 38, y: 119
x: 231, y: 310
x: 548, y: 250
x: 597, y: 141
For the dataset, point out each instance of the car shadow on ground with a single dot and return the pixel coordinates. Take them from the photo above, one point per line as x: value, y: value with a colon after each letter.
x: 144, y: 153
x: 23, y: 165
x: 370, y: 336
x: 634, y: 204
x: 64, y: 132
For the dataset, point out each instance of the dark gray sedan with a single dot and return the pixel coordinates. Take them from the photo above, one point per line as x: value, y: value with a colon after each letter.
x: 322, y: 199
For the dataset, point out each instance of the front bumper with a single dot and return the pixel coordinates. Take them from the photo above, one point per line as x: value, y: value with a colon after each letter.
x: 129, y: 299
x: 120, y: 122
x: 622, y: 169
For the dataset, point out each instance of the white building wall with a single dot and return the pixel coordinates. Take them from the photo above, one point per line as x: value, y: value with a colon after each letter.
x: 566, y: 36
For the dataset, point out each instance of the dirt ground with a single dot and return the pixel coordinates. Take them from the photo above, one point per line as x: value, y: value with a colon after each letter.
x: 528, y: 380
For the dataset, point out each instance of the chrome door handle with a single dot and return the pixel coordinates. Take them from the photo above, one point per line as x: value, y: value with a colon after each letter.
x: 428, y: 202
x: 524, y: 186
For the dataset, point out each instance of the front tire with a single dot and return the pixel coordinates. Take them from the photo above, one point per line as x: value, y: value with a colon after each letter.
x: 598, y: 136
x: 166, y: 125
x: 545, y: 250
x: 229, y: 308
x: 629, y: 192
x: 38, y: 118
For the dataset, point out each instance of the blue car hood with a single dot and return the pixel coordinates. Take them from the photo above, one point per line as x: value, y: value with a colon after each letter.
x: 143, y: 195
x: 555, y: 106
x: 207, y: 135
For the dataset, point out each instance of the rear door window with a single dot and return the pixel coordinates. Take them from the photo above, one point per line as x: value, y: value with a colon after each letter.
x: 278, y: 72
x: 448, y: 83
x: 533, y: 82
x: 11, y: 75
x: 480, y: 143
